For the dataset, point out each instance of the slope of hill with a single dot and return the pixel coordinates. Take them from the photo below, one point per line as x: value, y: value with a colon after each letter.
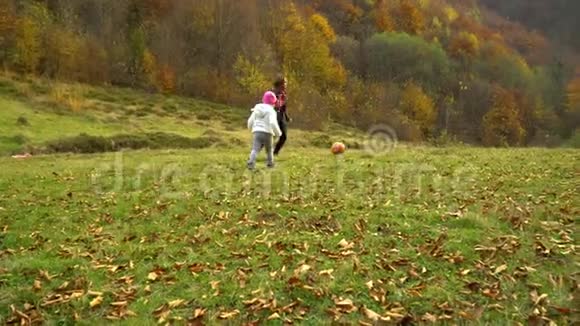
x: 557, y: 19
x: 41, y: 116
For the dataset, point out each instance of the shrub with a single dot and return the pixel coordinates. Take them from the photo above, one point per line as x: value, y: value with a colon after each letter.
x: 171, y: 108
x: 18, y: 139
x: 203, y: 116
x: 68, y: 97
x: 84, y: 143
x: 399, y: 57
x: 574, y: 141
x: 322, y: 140
x: 22, y: 121
x: 444, y: 139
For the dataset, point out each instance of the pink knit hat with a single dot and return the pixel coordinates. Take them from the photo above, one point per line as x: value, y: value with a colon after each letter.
x: 269, y: 98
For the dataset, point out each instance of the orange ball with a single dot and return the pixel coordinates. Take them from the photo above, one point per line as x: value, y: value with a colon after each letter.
x: 338, y: 148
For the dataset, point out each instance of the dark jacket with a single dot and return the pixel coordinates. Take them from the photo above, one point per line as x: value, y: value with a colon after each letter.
x: 281, y: 105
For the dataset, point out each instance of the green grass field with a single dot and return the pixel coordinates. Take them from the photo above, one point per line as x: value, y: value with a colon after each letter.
x: 428, y: 234
x: 453, y: 235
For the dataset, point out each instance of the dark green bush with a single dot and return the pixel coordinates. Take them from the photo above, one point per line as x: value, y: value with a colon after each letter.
x: 22, y: 121
x: 322, y: 141
x: 84, y: 143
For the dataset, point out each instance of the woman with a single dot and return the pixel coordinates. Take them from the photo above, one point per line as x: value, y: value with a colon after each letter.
x: 282, y: 114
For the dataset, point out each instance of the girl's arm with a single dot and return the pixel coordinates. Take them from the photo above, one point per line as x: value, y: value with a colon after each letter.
x: 251, y: 120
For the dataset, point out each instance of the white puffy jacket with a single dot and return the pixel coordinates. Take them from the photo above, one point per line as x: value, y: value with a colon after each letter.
x: 263, y: 119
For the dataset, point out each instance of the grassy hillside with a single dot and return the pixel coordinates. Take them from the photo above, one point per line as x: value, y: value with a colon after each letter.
x: 423, y: 235
x: 37, y: 112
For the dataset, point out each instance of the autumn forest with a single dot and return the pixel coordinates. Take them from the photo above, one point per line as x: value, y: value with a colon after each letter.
x: 483, y: 72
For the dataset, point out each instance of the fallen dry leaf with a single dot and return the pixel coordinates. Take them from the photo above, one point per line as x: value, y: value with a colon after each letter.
x: 250, y: 302
x: 369, y: 284
x: 345, y: 245
x: 429, y: 318
x: 152, y: 276
x: 176, y: 303
x: 294, y: 281
x: 198, y: 313
x: 63, y: 286
x: 229, y: 314
x: 196, y: 268
x: 273, y: 316
x: 327, y: 272
x: 355, y: 264
x: 37, y: 285
x: 473, y: 314
x: 370, y: 314
x: 344, y: 302
x: 44, y: 274
x: 540, y: 298
x: 96, y: 302
x: 30, y: 316
x: 394, y: 314
x: 500, y: 269
x: 562, y: 310
x: 345, y: 306
x: 302, y: 269
x: 76, y: 294
x: 215, y: 286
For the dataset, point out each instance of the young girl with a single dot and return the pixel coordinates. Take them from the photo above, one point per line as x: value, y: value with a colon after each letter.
x: 263, y: 124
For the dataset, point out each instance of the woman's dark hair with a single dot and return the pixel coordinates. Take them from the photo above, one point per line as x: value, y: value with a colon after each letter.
x: 279, y: 81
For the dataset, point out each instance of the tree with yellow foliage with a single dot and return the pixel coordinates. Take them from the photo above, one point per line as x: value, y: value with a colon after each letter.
x: 305, y: 52
x: 166, y: 79
x: 63, y: 54
x: 28, y: 47
x: 320, y: 23
x: 464, y: 45
x: 383, y: 20
x: 409, y: 17
x: 250, y: 79
x: 149, y: 68
x: 501, y: 125
x: 7, y: 27
x: 418, y: 107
